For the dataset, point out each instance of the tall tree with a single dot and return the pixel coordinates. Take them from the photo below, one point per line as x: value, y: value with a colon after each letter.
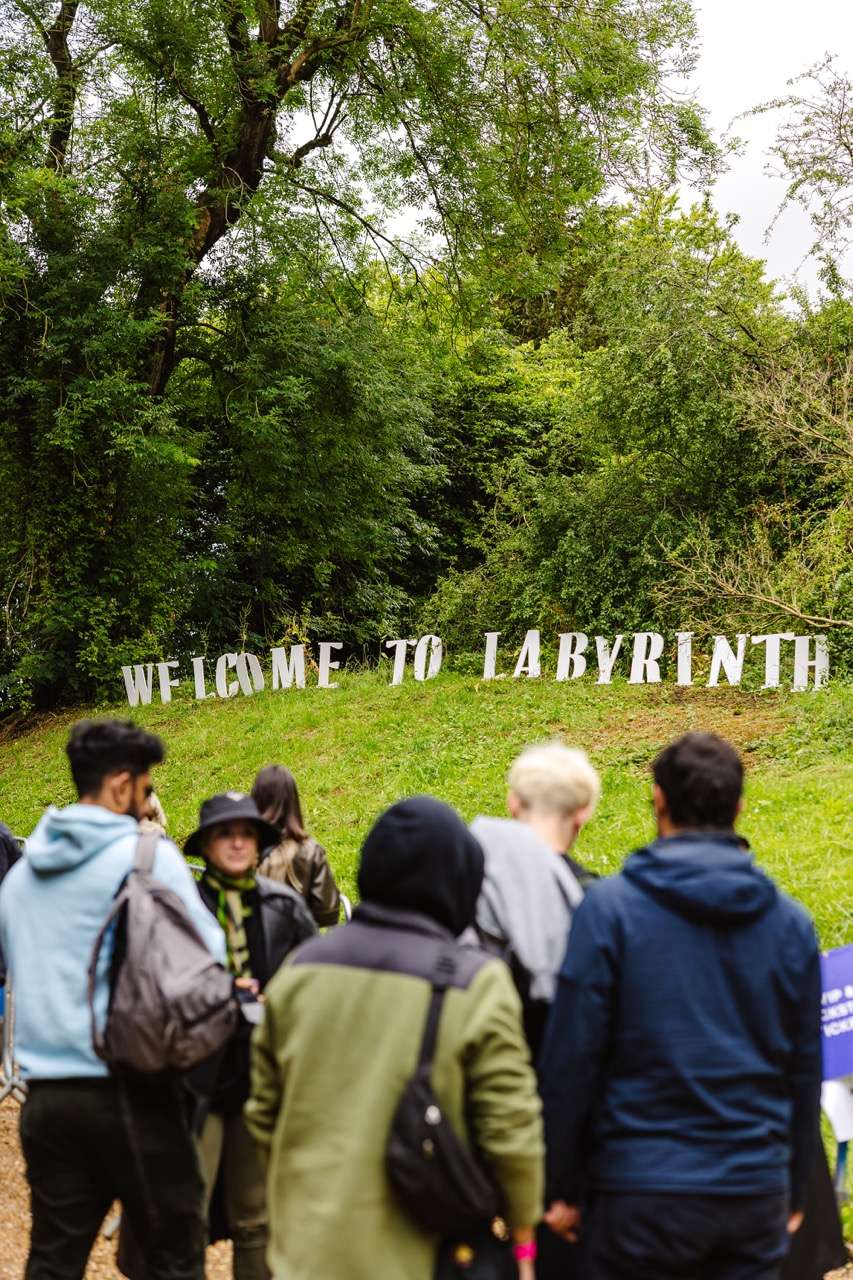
x: 151, y: 153
x: 813, y: 151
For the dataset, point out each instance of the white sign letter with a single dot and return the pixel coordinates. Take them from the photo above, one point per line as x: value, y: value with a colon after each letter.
x: 223, y: 688
x: 528, y: 660
x: 570, y: 660
x: 198, y: 676
x: 684, y: 651
x: 645, y: 667
x: 399, y: 647
x: 249, y: 674
x: 606, y: 658
x: 326, y: 665
x: 167, y: 684
x: 491, y: 655
x: 288, y: 670
x: 772, y: 656
x: 803, y: 662
x: 138, y: 682
x: 724, y: 659
x: 433, y: 646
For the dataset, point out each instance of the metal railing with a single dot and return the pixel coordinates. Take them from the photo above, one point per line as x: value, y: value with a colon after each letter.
x: 12, y: 1083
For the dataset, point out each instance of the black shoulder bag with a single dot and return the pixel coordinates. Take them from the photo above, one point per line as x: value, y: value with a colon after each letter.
x: 438, y: 1179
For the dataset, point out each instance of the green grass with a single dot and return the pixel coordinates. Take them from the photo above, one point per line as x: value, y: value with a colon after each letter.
x: 357, y: 748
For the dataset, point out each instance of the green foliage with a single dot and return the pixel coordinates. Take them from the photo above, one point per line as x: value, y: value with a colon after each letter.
x: 358, y: 748
x: 628, y: 433
x: 210, y: 411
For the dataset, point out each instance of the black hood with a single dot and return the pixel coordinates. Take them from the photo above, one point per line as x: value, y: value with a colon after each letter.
x: 706, y: 876
x: 420, y: 856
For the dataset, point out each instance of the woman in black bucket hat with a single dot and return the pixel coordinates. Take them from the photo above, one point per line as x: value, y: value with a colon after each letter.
x: 262, y: 921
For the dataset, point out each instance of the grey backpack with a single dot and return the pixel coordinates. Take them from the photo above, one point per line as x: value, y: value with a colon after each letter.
x: 171, y: 1004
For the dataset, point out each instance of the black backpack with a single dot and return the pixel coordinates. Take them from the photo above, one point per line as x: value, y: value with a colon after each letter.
x: 438, y: 1179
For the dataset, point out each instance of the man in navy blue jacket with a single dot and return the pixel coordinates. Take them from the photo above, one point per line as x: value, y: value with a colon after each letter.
x: 681, y: 1067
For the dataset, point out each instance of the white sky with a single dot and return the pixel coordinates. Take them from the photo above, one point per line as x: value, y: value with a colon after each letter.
x: 750, y: 48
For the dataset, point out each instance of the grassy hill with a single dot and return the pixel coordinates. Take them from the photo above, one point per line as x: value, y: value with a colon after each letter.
x: 357, y: 748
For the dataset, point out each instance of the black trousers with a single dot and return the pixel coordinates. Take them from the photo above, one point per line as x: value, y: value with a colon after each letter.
x: 85, y: 1145
x: 675, y: 1237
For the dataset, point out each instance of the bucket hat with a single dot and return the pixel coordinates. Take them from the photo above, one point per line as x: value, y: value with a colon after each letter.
x: 230, y: 806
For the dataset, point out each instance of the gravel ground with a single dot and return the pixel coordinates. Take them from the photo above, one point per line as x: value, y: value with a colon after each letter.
x: 15, y: 1217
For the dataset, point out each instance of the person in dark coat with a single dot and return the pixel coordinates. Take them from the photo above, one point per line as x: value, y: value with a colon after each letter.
x: 262, y: 922
x: 681, y: 1068
x: 10, y: 852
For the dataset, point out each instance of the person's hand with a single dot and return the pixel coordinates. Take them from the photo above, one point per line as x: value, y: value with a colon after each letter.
x: 795, y: 1222
x: 248, y: 984
x: 526, y: 1238
x: 564, y: 1220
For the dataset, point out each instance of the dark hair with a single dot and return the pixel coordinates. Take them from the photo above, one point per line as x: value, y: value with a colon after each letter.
x: 701, y: 776
x: 98, y: 748
x: 274, y: 792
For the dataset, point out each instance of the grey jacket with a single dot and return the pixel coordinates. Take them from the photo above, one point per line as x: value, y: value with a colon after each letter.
x: 529, y: 896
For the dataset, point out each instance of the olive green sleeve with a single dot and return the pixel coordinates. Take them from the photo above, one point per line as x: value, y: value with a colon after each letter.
x: 503, y: 1102
x: 267, y: 1085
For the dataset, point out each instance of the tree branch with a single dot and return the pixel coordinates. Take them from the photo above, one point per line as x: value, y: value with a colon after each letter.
x: 55, y: 40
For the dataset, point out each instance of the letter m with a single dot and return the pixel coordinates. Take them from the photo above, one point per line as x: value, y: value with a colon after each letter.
x: 139, y: 681
x: 288, y: 670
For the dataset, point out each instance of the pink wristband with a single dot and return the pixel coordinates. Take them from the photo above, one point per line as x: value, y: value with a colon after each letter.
x: 523, y: 1252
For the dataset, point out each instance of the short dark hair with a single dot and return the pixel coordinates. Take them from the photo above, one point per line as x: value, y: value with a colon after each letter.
x: 98, y: 748
x: 701, y: 776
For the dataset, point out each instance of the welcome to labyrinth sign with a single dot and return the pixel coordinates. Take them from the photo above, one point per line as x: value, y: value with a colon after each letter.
x: 803, y: 659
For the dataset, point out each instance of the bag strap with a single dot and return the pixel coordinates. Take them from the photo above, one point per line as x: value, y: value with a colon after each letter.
x: 445, y: 971
x: 98, y: 1040
x: 146, y: 849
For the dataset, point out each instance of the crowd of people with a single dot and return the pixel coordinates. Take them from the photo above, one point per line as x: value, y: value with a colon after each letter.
x: 632, y: 1064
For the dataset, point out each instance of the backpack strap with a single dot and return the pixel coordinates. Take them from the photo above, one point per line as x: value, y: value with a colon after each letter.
x: 445, y: 971
x: 146, y: 849
x: 98, y: 1041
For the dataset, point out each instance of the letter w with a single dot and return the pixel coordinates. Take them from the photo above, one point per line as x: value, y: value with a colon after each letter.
x: 138, y: 681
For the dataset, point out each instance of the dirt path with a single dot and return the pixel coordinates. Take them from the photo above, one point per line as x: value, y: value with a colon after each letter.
x: 15, y: 1220
x: 15, y: 1217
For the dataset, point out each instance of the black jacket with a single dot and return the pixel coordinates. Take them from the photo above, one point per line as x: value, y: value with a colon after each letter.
x: 10, y: 852
x: 279, y: 921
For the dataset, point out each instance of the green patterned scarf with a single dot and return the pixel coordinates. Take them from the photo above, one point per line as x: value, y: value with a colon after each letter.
x: 232, y: 911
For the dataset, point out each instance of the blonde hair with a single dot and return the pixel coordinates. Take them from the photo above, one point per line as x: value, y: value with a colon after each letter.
x: 551, y: 777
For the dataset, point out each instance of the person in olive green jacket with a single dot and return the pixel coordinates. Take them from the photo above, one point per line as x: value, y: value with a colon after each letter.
x: 344, y: 1018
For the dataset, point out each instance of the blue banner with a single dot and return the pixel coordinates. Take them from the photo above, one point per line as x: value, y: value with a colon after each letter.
x: 837, y: 1012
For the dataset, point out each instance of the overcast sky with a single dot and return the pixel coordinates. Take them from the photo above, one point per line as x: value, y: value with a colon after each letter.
x: 750, y: 48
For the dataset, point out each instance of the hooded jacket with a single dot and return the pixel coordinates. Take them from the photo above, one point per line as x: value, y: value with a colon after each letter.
x: 52, y: 905
x: 343, y: 1023
x: 683, y: 1050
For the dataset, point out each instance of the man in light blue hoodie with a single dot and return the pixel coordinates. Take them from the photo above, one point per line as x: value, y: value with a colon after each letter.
x: 86, y: 1141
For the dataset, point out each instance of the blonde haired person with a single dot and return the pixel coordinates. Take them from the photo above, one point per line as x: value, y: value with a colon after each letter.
x: 531, y: 889
x: 555, y: 790
x: 532, y: 885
